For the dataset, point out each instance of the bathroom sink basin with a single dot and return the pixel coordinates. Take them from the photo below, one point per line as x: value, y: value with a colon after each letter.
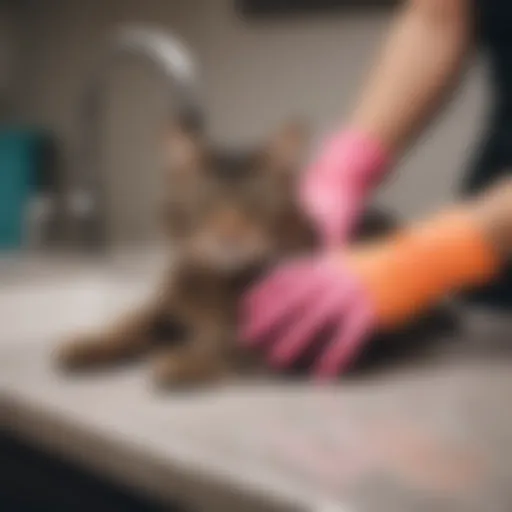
x: 43, y: 299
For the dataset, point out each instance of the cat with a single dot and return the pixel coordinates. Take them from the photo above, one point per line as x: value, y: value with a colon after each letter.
x: 230, y: 217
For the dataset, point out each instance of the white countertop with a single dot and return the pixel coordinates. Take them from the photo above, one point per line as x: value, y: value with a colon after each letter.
x: 364, y: 445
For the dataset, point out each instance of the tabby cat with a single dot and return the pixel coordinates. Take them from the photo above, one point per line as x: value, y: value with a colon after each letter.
x: 229, y: 217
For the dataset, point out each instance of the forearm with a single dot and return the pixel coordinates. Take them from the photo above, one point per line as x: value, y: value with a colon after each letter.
x: 421, y: 59
x: 463, y: 247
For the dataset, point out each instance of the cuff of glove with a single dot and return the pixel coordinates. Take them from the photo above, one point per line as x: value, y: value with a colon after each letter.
x: 410, y: 272
x: 355, y: 156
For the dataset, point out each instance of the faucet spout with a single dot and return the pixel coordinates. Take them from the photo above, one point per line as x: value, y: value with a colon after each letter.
x: 86, y: 205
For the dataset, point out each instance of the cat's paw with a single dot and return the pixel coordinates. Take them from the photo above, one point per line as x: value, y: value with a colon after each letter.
x: 168, y: 372
x: 79, y: 353
x: 178, y: 371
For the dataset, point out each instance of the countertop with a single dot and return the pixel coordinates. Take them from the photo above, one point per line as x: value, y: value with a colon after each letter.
x: 435, y: 435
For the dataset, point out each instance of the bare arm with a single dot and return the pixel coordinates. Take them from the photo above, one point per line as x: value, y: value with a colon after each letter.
x: 421, y: 59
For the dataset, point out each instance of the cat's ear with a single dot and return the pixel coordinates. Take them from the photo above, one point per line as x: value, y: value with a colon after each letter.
x: 183, y: 148
x: 288, y: 147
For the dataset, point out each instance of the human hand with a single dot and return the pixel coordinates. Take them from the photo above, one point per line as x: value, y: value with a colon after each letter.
x: 299, y: 300
x: 335, y: 187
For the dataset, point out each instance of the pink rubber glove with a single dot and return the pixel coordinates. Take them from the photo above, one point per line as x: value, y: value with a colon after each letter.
x: 335, y: 187
x: 300, y: 299
x: 296, y: 302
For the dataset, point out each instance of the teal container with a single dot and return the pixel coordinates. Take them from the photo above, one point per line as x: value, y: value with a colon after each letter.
x: 19, y: 151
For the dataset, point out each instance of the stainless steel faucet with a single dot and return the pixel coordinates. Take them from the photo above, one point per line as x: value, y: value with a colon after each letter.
x: 86, y: 204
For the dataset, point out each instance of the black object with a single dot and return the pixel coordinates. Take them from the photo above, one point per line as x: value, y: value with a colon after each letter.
x: 34, y: 481
x: 269, y: 8
x: 494, y: 158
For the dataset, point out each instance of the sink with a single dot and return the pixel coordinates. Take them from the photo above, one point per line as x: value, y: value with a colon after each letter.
x: 44, y: 299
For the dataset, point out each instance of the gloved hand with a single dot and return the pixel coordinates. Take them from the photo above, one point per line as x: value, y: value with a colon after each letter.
x: 299, y: 300
x: 334, y: 189
x: 382, y: 284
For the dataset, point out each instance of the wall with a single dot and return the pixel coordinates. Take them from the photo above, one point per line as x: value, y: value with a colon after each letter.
x: 255, y: 75
x: 10, y: 49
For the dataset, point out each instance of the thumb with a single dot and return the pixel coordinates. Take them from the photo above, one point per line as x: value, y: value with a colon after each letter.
x: 338, y: 226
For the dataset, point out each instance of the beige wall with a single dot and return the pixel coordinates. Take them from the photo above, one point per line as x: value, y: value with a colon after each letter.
x: 9, y: 56
x: 255, y: 75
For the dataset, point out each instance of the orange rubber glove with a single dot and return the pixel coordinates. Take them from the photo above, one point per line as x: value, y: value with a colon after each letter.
x: 381, y: 285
